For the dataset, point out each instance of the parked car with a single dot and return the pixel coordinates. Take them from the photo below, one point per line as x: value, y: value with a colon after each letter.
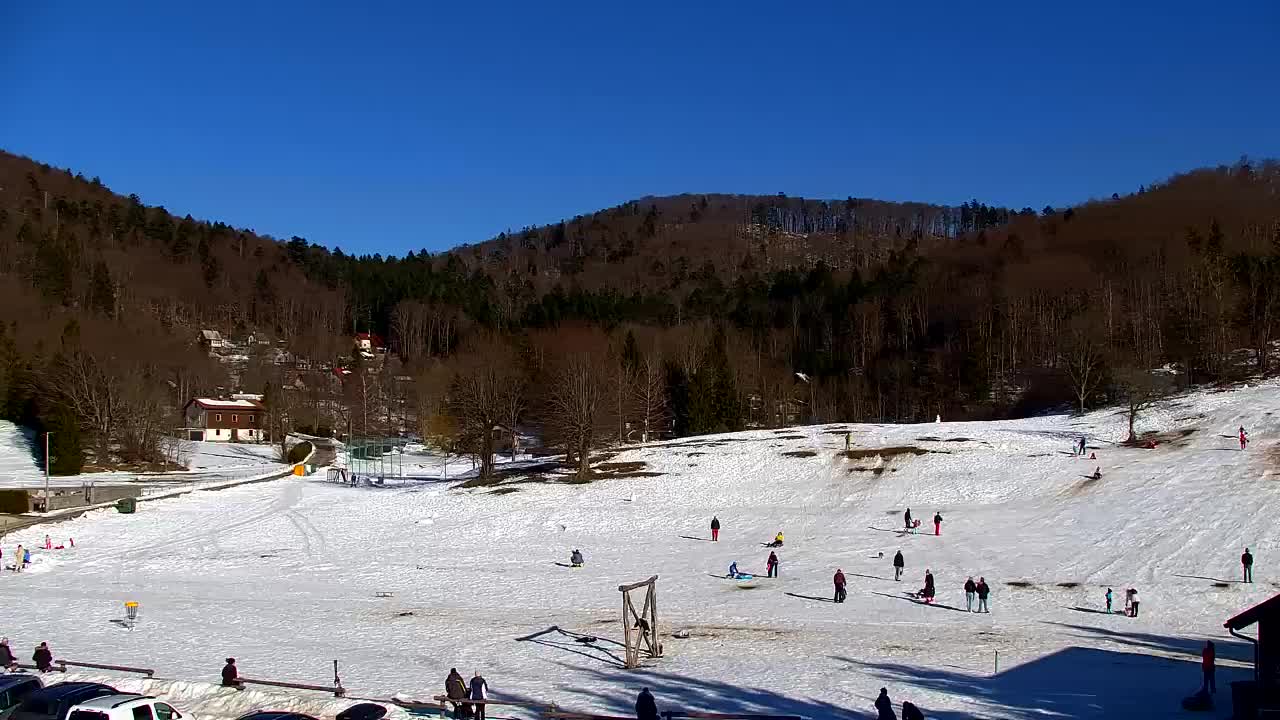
x: 53, y: 702
x: 123, y: 706
x: 274, y: 715
x: 14, y: 689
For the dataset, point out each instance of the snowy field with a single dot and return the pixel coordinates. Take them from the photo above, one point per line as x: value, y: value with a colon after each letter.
x: 208, y: 463
x: 284, y: 575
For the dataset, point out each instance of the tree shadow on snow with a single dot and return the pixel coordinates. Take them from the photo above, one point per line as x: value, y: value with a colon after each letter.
x: 587, y: 646
x: 1071, y: 682
x: 1095, y: 611
x: 613, y: 692
x: 869, y: 577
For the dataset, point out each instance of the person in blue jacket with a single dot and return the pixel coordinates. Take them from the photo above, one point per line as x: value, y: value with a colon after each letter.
x: 733, y: 570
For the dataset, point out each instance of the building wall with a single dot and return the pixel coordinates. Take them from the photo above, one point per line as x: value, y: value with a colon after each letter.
x: 240, y: 434
x: 29, y: 500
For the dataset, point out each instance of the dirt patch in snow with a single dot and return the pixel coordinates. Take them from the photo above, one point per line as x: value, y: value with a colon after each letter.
x: 887, y: 452
x: 1020, y: 584
x: 800, y: 453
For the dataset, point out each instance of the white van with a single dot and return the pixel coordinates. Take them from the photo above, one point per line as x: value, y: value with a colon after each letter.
x: 125, y: 707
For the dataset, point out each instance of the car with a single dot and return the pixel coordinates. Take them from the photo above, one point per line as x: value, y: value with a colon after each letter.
x: 14, y: 689
x: 124, y: 706
x: 275, y: 715
x: 53, y: 702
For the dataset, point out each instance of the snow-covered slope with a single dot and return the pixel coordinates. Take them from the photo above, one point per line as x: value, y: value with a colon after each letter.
x: 285, y: 575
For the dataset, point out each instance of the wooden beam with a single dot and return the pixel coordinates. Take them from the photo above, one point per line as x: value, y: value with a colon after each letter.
x: 642, y: 583
x: 97, y: 666
x: 337, y: 690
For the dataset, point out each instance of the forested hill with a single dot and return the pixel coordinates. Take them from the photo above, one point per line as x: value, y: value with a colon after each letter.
x: 894, y: 310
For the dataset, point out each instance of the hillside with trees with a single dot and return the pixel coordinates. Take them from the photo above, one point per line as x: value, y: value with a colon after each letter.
x: 682, y: 315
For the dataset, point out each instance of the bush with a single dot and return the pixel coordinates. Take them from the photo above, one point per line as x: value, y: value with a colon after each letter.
x: 299, y: 452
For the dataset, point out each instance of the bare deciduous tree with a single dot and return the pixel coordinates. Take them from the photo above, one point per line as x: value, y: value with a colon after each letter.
x: 488, y: 375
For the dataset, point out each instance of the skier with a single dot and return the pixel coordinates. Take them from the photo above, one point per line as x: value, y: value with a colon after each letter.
x: 983, y: 591
x: 1246, y: 561
x: 906, y: 518
x: 43, y: 658
x: 884, y: 706
x: 455, y: 688
x: 1208, y: 658
x: 898, y: 564
x: 479, y: 691
x: 937, y: 523
x: 1108, y: 601
x: 7, y: 660
x: 575, y: 559
x: 1244, y: 439
x: 230, y: 675
x: 970, y: 589
x: 715, y: 529
x: 840, y: 585
x: 777, y: 541
x: 772, y: 564
x: 928, y: 591
x: 646, y: 706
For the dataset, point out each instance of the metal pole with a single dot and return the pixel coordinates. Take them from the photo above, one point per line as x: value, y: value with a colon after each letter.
x: 997, y: 672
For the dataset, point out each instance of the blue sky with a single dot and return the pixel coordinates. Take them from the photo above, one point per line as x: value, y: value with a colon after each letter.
x: 388, y: 127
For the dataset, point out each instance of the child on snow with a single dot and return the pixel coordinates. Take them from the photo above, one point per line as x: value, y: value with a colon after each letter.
x: 1108, y: 600
x: 1244, y: 439
x: 777, y: 540
x: 715, y: 529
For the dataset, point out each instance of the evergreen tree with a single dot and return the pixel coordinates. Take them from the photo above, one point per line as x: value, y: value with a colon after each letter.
x: 102, y: 293
x: 66, y: 453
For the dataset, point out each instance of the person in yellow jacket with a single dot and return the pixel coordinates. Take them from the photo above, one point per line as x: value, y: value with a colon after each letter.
x: 777, y: 540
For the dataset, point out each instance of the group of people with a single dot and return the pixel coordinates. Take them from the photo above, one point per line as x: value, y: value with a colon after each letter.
x: 22, y: 555
x: 884, y: 708
x: 42, y: 658
x: 459, y: 691
x: 1130, y: 602
x: 912, y: 524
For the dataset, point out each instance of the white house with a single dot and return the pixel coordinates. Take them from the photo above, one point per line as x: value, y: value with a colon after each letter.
x: 225, y: 420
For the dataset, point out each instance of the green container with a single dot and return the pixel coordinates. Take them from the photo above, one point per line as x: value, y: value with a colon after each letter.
x: 127, y: 505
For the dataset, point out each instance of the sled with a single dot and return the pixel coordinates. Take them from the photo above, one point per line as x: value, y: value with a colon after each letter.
x: 748, y: 582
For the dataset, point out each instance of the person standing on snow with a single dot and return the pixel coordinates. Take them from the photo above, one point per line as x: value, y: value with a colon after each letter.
x: 43, y: 658
x: 1108, y: 601
x: 17, y: 559
x: 1246, y: 561
x: 1133, y: 602
x: 906, y: 518
x: 928, y: 591
x: 970, y: 589
x: 1082, y: 448
x: 1244, y: 439
x: 715, y: 529
x: 772, y: 564
x: 455, y: 688
x: 840, y: 585
x: 7, y: 660
x: 1208, y: 664
x: 937, y: 523
x: 479, y: 691
x: 646, y: 706
x: 884, y: 706
x: 983, y: 591
x: 898, y: 564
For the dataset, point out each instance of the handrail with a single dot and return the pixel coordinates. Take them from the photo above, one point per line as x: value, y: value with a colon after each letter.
x: 337, y: 690
x: 98, y: 666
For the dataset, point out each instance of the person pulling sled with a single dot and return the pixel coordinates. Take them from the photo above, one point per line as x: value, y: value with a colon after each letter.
x: 927, y: 592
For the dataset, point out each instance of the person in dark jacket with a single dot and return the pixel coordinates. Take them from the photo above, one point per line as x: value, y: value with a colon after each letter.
x: 230, y: 674
x: 906, y: 518
x: 937, y: 523
x: 646, y: 706
x: 1208, y: 664
x: 715, y: 529
x: 479, y: 691
x: 772, y: 564
x: 43, y: 658
x: 455, y: 688
x: 7, y: 660
x: 840, y: 585
x: 970, y: 589
x: 1246, y: 561
x: 983, y: 591
x: 929, y: 591
x: 911, y: 712
x: 575, y: 560
x: 898, y: 564
x: 884, y: 706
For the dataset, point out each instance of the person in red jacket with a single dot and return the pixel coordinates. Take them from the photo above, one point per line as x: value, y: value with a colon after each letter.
x: 1244, y: 439
x: 772, y: 564
x: 1208, y: 658
x: 840, y: 584
x: 715, y: 529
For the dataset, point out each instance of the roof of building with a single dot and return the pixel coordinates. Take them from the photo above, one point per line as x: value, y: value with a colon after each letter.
x: 210, y: 334
x: 1254, y: 614
x: 211, y: 404
x: 374, y: 340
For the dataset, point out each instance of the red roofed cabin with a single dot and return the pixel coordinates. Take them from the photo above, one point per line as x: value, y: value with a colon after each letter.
x: 224, y: 420
x: 368, y: 343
